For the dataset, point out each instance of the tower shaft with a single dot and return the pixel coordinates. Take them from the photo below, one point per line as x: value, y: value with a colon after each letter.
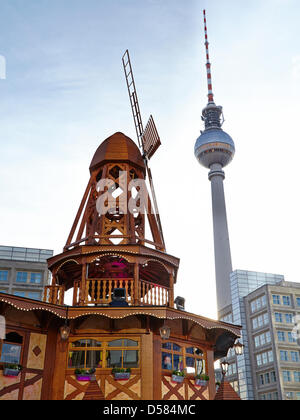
x: 223, y: 264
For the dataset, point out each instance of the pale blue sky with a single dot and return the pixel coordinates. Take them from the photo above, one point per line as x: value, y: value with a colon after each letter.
x: 65, y: 92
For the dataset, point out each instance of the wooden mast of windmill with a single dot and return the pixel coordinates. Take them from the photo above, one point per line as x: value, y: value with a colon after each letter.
x: 148, y: 139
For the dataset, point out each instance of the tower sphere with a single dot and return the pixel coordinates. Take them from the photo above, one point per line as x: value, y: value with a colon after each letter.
x: 214, y: 146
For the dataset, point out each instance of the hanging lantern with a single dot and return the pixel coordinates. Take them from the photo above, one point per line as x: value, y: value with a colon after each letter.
x: 165, y: 332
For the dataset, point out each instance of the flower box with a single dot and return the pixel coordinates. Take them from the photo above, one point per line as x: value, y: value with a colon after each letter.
x: 177, y: 378
x: 11, y: 372
x: 83, y: 377
x: 119, y: 376
x: 11, y: 369
x: 200, y: 382
x: 84, y: 374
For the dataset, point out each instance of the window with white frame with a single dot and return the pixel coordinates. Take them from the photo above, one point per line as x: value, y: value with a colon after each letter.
x: 264, y: 358
x: 260, y: 321
x: 291, y: 337
x: 289, y: 318
x: 286, y: 300
x: 258, y: 303
x: 295, y: 356
x: 262, y: 339
x: 281, y: 336
x: 297, y: 376
x: 276, y: 299
x: 284, y: 356
x: 287, y: 377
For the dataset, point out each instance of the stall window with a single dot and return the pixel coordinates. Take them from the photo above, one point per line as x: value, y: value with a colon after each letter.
x: 12, y: 348
x: 122, y: 354
x: 85, y: 354
x: 172, y: 357
x: 89, y: 353
x: 194, y: 360
x: 175, y: 357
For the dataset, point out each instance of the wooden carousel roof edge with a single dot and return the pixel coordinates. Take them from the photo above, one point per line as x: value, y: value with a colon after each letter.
x: 84, y: 250
x: 157, y: 312
x: 25, y: 304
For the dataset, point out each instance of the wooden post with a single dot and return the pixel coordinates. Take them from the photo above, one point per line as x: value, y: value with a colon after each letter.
x: 82, y: 285
x: 136, y: 284
x: 157, y: 373
x: 211, y: 374
x: 147, y: 367
x: 58, y: 383
x: 171, y: 290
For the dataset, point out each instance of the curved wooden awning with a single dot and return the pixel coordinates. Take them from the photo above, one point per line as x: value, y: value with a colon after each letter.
x: 25, y: 304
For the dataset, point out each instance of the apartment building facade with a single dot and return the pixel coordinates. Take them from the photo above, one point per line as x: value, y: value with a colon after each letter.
x: 24, y: 271
x: 273, y: 325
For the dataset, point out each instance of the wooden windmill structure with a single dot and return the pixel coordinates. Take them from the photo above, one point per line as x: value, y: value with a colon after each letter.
x: 108, y: 251
x: 110, y: 226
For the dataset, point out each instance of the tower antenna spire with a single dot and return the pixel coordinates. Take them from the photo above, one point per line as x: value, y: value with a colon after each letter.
x: 208, y: 65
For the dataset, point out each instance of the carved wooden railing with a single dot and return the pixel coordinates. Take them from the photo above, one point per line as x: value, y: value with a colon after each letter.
x: 54, y: 294
x: 153, y: 294
x: 99, y: 291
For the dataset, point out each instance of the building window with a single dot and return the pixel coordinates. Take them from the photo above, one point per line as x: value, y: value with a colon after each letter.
x: 258, y: 360
x: 270, y: 356
x: 286, y: 376
x: 27, y: 294
x: 258, y: 303
x: 298, y: 301
x: 269, y: 396
x: 295, y: 356
x: 297, y: 376
x: 292, y: 337
x: 286, y: 300
x: 19, y: 293
x: 36, y: 278
x: 260, y: 321
x: 21, y: 277
x: 276, y: 299
x: 92, y: 353
x: 31, y: 277
x: 284, y: 357
x: 4, y: 275
x: 273, y: 376
x: 12, y: 348
x: 278, y: 317
x: 261, y: 380
x: 289, y: 319
x: 281, y: 335
x: 231, y: 369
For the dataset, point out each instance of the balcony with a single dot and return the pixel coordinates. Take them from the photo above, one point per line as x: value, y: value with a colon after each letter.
x: 99, y: 292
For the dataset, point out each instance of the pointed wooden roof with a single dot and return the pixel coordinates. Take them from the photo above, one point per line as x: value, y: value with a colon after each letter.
x: 226, y: 392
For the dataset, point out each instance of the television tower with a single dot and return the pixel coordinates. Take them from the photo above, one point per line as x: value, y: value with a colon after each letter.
x: 214, y: 149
